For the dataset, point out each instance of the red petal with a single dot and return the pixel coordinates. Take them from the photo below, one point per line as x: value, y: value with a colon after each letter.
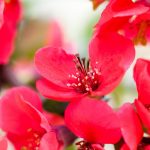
x: 112, y: 59
x: 147, y: 147
x: 118, y: 13
x: 142, y: 79
x: 27, y: 94
x: 1, y: 12
x: 3, y: 143
x: 56, y: 92
x: 143, y: 113
x: 93, y: 120
x: 49, y: 142
x: 17, y: 115
x: 53, y: 118
x: 55, y: 65
x: 124, y: 147
x: 9, y: 26
x: 122, y: 8
x: 130, y: 126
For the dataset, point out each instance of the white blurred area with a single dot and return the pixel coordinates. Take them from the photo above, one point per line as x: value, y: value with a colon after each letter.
x: 73, y: 16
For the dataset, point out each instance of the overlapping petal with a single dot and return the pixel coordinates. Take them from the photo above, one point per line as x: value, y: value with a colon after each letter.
x: 24, y: 124
x: 131, y: 127
x: 118, y: 13
x: 142, y: 79
x: 56, y: 92
x: 93, y: 120
x: 49, y: 142
x: 55, y: 65
x: 12, y: 111
x: 144, y: 114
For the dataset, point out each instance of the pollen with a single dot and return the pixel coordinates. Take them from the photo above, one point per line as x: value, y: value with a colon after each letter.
x: 141, y: 38
x: 33, y: 140
x: 83, y: 145
x: 86, y: 79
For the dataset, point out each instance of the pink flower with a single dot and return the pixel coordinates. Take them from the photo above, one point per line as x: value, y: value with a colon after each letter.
x: 21, y: 118
x: 67, y: 76
x: 124, y: 17
x: 92, y: 120
x: 9, y: 28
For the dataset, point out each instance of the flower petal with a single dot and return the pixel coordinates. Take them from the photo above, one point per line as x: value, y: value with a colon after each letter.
x: 27, y: 94
x: 49, y: 142
x: 142, y: 79
x: 93, y: 120
x: 118, y: 13
x: 144, y: 114
x: 18, y: 115
x: 112, y: 60
x: 55, y: 65
x: 53, y: 91
x: 53, y: 118
x: 9, y: 26
x: 3, y: 143
x: 130, y: 126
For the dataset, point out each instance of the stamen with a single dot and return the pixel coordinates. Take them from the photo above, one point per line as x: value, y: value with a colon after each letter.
x: 141, y: 35
x: 83, y: 145
x: 33, y: 140
x: 86, y: 79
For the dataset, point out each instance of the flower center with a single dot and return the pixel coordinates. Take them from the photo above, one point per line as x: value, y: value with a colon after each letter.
x: 86, y: 78
x: 141, y: 34
x: 83, y: 145
x: 33, y: 140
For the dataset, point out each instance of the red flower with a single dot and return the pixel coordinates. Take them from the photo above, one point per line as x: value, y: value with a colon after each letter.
x: 123, y: 16
x: 93, y: 120
x: 66, y: 76
x: 131, y: 127
x: 22, y: 120
x: 8, y: 29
